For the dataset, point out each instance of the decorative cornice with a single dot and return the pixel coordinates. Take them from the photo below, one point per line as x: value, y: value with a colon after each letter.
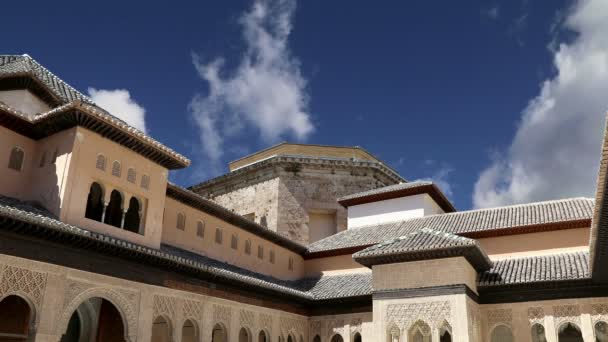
x: 427, y: 292
x: 288, y: 162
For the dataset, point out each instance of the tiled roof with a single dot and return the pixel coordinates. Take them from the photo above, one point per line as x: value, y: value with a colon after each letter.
x: 385, y: 189
x: 194, y: 200
x: 15, y: 65
x: 66, y: 113
x: 556, y: 267
x: 338, y: 286
x: 424, y: 244
x: 493, y: 221
x: 326, y: 287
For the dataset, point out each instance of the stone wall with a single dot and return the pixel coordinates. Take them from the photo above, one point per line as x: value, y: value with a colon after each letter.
x: 282, y: 193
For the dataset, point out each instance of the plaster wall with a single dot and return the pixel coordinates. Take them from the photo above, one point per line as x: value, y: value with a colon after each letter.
x: 83, y: 172
x: 23, y: 100
x: 426, y: 273
x: 392, y: 210
x: 206, y: 245
x: 12, y: 182
x: 333, y: 265
x: 543, y: 243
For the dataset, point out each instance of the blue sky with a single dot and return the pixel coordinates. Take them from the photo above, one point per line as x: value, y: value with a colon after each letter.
x: 498, y: 101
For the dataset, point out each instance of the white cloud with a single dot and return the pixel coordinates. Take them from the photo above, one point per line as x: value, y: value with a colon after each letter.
x: 440, y: 178
x: 120, y: 104
x: 555, y: 152
x: 492, y: 12
x: 266, y: 91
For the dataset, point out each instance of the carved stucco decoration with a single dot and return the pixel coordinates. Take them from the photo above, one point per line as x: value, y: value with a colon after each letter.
x: 474, y: 321
x: 536, y: 315
x: 599, y: 312
x: 432, y: 313
x: 265, y: 322
x: 222, y: 314
x: 291, y: 326
x: 165, y: 306
x: 421, y: 326
x: 567, y: 313
x: 316, y: 328
x: 355, y: 325
x: 335, y: 326
x: 28, y: 284
x: 247, y: 319
x: 192, y: 309
x: 500, y: 316
x: 125, y: 301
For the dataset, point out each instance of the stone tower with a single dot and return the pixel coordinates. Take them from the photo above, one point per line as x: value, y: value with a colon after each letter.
x: 292, y: 188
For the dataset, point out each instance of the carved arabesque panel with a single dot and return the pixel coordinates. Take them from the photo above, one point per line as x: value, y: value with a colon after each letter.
x: 335, y: 326
x: 192, y: 310
x: 30, y: 284
x: 355, y: 325
x: 536, y: 315
x: 567, y: 313
x: 503, y: 316
x: 599, y: 312
x: 165, y: 306
x: 222, y: 314
x: 265, y: 322
x: 247, y: 319
x: 432, y: 313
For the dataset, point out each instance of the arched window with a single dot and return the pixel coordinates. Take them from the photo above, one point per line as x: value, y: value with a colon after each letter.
x: 189, y: 332
x: 113, y: 215
x: 271, y: 253
x: 601, y: 331
x: 200, y: 229
x: 132, y: 217
x: 263, y: 337
x: 445, y: 333
x: 145, y: 182
x: 218, y: 236
x: 219, y: 333
x: 501, y: 333
x: 290, y: 264
x: 15, y: 161
x: 248, y: 247
x: 393, y: 333
x: 43, y: 159
x: 161, y: 329
x: 569, y: 332
x: 234, y: 242
x: 95, y: 319
x: 131, y: 175
x: 357, y: 337
x: 420, y: 332
x: 116, y: 170
x: 16, y: 316
x: 337, y: 338
x: 94, y: 210
x: 244, y: 335
x: 181, y: 221
x: 260, y: 252
x: 100, y: 164
x: 317, y: 338
x: 538, y: 333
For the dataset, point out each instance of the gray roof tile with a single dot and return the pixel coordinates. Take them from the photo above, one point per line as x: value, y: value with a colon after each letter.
x: 424, y: 244
x: 554, y: 267
x: 464, y: 222
x: 385, y: 189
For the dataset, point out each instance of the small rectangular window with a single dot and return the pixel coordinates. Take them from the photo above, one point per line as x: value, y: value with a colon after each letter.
x: 218, y: 236
x: 248, y: 247
x: 290, y: 265
x: 234, y: 242
x: 200, y: 229
x: 181, y: 221
x: 260, y: 252
x: 272, y: 257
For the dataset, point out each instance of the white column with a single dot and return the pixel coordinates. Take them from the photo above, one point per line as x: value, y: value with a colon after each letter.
x: 587, y: 327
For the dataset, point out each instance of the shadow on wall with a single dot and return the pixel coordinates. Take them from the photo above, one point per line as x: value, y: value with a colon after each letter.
x: 45, y: 182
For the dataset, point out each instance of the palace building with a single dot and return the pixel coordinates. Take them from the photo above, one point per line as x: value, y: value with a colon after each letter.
x: 295, y: 243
